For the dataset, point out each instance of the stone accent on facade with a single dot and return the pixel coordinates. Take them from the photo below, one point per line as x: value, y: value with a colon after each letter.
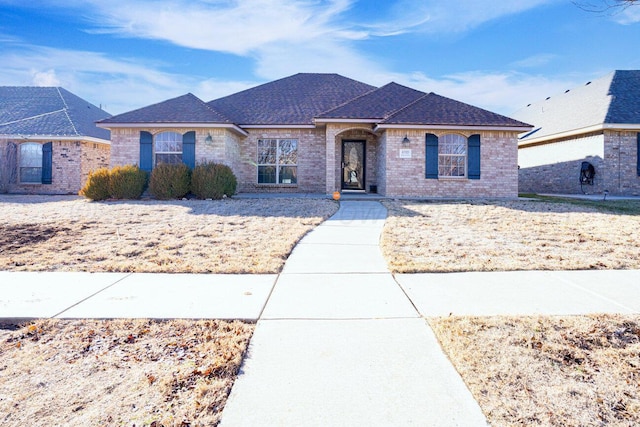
x: 71, y: 163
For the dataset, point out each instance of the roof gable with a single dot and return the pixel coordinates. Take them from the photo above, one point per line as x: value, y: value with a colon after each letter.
x: 612, y: 99
x: 48, y: 111
x: 294, y: 100
x: 433, y: 109
x: 625, y: 98
x: 183, y: 109
x: 376, y: 104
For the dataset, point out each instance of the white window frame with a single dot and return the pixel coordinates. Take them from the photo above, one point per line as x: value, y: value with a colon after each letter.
x: 159, y: 138
x: 446, y: 147
x: 278, y: 160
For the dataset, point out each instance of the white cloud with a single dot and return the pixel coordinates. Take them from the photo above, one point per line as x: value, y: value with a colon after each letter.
x: 45, y: 78
x: 237, y: 27
x: 534, y: 61
x: 502, y: 93
x: 630, y: 15
x: 436, y: 16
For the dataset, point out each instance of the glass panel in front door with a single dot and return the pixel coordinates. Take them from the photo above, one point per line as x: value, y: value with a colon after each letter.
x: 353, y: 165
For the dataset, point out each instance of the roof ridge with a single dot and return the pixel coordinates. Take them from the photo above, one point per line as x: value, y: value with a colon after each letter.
x: 213, y: 110
x: 398, y: 111
x: 32, y: 117
x: 66, y: 111
x: 350, y: 100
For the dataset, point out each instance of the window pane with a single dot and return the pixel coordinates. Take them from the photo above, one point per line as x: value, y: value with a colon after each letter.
x: 266, y: 175
x: 452, y: 144
x: 31, y: 155
x: 267, y: 149
x: 31, y: 175
x: 168, y: 158
x: 288, y: 175
x: 168, y: 142
x: 288, y: 152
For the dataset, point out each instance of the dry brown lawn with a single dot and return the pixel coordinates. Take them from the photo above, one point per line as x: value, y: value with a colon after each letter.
x: 119, y: 372
x: 545, y: 234
x: 56, y: 233
x: 548, y: 371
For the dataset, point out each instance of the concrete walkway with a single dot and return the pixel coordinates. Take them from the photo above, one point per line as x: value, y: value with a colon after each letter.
x: 340, y: 344
x: 339, y: 340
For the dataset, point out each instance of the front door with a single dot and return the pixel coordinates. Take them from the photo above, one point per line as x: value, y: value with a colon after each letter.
x: 353, y: 165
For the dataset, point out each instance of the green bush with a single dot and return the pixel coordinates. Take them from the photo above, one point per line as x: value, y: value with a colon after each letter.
x: 213, y: 181
x: 97, y: 185
x: 127, y: 182
x: 169, y: 181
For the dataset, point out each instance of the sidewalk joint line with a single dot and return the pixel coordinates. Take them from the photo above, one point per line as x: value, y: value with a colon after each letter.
x: 406, y: 295
x: 92, y: 295
x: 264, y: 306
x: 595, y: 294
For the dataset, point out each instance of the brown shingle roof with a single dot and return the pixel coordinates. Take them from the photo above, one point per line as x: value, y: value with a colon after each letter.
x: 376, y: 104
x: 183, y: 109
x: 433, y: 109
x: 294, y: 100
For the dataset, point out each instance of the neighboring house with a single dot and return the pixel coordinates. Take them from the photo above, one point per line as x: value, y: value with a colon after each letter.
x: 318, y: 133
x: 49, y: 141
x: 597, y: 123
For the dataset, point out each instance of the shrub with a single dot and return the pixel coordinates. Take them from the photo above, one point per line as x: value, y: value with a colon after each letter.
x: 213, y: 181
x: 127, y: 182
x: 97, y: 185
x: 169, y: 181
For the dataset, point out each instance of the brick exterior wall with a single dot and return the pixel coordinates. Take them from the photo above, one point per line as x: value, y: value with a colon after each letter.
x: 406, y: 177
x: 621, y: 157
x: 616, y: 172
x: 238, y: 152
x: 350, y: 133
x: 320, y: 160
x: 311, y: 161
x: 71, y: 163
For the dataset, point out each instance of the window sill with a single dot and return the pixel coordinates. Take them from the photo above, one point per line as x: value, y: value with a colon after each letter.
x: 452, y: 178
x: 277, y: 185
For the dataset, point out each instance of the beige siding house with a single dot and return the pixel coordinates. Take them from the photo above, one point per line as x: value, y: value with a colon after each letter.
x: 320, y: 133
x: 596, y: 124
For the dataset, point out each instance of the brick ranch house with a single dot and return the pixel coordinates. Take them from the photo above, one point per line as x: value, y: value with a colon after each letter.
x: 48, y: 140
x: 318, y: 133
x: 598, y: 123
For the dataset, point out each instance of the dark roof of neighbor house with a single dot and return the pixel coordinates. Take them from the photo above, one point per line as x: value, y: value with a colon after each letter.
x: 183, y: 109
x: 612, y: 99
x: 293, y: 100
x: 376, y: 104
x: 433, y: 109
x: 48, y: 111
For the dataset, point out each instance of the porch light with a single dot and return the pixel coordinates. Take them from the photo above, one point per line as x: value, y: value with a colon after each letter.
x: 406, y: 139
x: 208, y: 140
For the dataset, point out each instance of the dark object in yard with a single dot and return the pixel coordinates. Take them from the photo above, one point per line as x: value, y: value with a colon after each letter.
x: 587, y: 172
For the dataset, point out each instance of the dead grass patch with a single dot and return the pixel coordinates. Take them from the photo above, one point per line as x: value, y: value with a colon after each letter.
x: 119, y: 372
x: 548, y: 371
x: 51, y: 233
x: 510, y: 235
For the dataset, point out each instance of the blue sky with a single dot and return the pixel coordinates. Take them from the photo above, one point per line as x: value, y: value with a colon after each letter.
x: 498, y: 55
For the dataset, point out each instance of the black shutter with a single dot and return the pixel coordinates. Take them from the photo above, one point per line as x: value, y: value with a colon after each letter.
x: 146, y: 151
x: 473, y: 157
x: 431, y: 156
x: 189, y: 149
x: 638, y: 155
x: 47, y: 162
